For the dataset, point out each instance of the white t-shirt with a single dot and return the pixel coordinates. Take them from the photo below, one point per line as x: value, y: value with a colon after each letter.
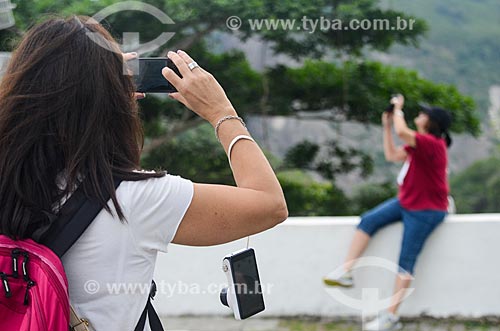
x: 111, y: 266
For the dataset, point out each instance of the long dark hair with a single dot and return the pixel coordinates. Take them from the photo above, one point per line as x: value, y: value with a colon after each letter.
x: 434, y: 129
x: 65, y: 108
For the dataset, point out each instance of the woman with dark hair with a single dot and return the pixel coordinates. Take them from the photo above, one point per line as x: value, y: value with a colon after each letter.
x: 422, y: 202
x: 68, y: 117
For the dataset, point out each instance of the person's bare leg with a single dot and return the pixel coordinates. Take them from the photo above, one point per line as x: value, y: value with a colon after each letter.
x: 358, y: 245
x: 403, y: 282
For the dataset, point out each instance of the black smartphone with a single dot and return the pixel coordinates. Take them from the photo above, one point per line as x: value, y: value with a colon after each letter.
x: 245, y: 283
x: 390, y: 108
x: 147, y: 75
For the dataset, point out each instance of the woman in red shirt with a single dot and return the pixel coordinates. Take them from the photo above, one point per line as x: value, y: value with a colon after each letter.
x: 421, y: 204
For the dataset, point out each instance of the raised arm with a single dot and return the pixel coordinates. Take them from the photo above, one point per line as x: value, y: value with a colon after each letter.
x: 402, y: 130
x: 220, y: 213
x: 391, y: 152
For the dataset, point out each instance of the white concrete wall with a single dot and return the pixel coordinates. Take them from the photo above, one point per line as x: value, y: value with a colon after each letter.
x: 458, y: 272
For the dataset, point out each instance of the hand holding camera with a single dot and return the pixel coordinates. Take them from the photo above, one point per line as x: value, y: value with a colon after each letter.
x: 397, y: 102
x: 185, y: 81
x: 198, y: 89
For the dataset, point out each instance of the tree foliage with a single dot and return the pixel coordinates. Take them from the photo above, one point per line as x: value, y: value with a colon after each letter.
x: 333, y: 161
x: 477, y: 188
x: 306, y: 197
x: 369, y: 196
x: 196, y: 154
x: 350, y: 88
x: 357, y: 89
x: 196, y: 19
x: 360, y: 91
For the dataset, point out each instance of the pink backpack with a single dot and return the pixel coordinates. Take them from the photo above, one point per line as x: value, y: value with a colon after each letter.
x: 34, y: 294
x: 35, y: 288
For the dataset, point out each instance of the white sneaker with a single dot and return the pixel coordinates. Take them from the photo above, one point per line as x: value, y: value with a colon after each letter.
x: 343, y: 281
x: 384, y: 322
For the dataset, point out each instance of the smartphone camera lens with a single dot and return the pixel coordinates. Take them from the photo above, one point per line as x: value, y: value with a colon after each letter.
x: 223, y: 297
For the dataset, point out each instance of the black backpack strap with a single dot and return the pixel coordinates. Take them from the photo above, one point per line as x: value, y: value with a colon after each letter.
x: 74, y: 218
x: 149, y: 310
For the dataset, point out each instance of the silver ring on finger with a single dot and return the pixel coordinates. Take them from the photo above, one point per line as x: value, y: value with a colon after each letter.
x: 193, y: 65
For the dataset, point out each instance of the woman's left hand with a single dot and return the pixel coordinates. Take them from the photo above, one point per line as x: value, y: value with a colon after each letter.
x: 386, y: 119
x: 128, y: 57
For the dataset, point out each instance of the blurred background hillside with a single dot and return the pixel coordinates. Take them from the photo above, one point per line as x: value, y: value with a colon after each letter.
x: 314, y: 100
x: 460, y: 48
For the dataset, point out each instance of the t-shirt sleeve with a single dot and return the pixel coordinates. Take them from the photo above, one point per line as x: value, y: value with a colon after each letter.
x: 423, y: 145
x: 157, y: 207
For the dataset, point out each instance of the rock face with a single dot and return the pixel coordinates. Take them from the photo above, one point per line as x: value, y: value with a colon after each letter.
x: 278, y: 134
x: 6, y: 16
x: 4, y: 58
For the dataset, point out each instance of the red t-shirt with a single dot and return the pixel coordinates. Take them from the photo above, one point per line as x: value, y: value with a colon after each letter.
x: 425, y: 186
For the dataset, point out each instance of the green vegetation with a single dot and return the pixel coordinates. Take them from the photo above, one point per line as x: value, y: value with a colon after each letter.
x: 360, y: 90
x: 368, y: 196
x: 354, y: 88
x: 306, y: 197
x: 196, y: 154
x: 477, y: 189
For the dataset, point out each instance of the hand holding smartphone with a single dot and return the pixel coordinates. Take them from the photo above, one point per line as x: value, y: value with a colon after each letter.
x: 147, y: 75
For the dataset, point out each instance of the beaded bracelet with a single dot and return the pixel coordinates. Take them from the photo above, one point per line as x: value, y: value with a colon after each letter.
x: 225, y: 118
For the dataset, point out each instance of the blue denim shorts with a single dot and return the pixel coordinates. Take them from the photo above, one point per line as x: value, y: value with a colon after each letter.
x: 418, y: 226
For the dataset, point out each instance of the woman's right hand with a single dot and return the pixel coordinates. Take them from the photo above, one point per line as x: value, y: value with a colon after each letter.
x: 198, y: 89
x: 398, y: 101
